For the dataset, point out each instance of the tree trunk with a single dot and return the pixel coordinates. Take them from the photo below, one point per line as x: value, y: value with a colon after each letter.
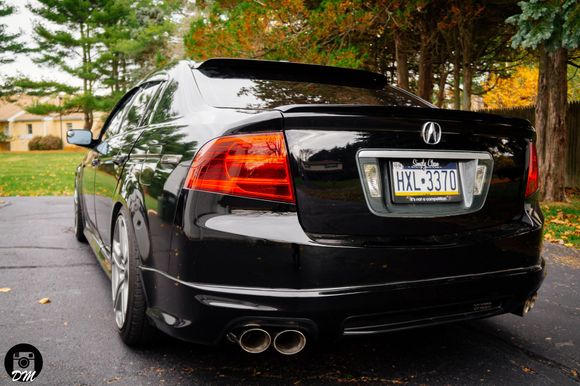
x: 442, y: 82
x: 467, y: 84
x: 88, y: 120
x: 402, y: 63
x: 115, y: 73
x: 556, y: 134
x: 124, y: 80
x: 467, y: 49
x: 456, y: 80
x: 88, y: 123
x: 425, y: 69
x: 465, y: 39
x: 541, y: 115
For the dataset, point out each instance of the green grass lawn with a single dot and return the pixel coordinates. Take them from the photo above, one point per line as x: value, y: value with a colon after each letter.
x: 39, y: 173
x: 562, y: 223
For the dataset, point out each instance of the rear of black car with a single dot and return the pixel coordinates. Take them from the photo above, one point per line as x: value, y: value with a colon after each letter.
x: 337, y: 205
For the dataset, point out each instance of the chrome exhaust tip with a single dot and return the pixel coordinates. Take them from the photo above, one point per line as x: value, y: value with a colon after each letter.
x: 255, y: 340
x: 530, y: 303
x: 289, y: 342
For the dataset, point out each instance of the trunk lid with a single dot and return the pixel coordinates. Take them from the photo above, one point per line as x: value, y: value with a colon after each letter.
x: 325, y: 144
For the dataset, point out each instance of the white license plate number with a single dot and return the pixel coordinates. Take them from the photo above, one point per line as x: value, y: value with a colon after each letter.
x: 424, y: 181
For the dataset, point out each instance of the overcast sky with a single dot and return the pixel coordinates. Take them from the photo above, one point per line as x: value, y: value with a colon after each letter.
x: 23, y: 20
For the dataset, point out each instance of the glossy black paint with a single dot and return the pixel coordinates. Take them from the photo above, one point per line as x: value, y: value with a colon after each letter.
x: 333, y: 202
x: 213, y: 263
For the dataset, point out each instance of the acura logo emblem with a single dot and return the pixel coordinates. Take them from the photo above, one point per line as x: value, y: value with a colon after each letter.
x: 431, y: 133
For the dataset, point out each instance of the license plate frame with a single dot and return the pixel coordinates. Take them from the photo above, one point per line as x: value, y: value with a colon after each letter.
x: 424, y: 181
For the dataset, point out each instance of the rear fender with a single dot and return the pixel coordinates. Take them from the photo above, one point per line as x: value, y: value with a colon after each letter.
x: 130, y: 195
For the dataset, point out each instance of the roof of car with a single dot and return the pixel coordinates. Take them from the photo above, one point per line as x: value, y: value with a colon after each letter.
x: 290, y: 71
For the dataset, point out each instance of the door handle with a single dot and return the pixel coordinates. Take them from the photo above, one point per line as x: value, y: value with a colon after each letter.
x: 95, y: 162
x: 120, y: 159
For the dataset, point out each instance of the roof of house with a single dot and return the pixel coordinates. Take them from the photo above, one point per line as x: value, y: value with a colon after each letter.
x: 11, y: 111
x: 29, y: 117
x: 8, y: 110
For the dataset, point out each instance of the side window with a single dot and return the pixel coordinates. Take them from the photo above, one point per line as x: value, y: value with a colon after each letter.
x: 114, y: 125
x: 166, y: 109
x: 152, y: 104
x: 139, y: 105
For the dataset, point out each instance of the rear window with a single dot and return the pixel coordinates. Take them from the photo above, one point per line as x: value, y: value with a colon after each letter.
x: 266, y: 94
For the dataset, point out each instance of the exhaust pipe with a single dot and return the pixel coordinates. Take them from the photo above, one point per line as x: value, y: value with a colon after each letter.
x: 527, y: 305
x: 254, y: 340
x: 289, y: 342
x: 530, y: 303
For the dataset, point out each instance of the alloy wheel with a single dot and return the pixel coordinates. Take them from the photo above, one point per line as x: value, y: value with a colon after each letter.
x: 76, y: 208
x: 120, y: 271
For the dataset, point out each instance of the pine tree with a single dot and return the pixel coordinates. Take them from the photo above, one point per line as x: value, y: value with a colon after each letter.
x: 102, y: 43
x: 9, y: 42
x: 72, y: 47
x: 553, y: 29
x: 135, y: 37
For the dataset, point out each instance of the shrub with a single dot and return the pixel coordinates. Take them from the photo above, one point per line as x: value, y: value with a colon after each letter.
x: 34, y: 143
x: 49, y: 142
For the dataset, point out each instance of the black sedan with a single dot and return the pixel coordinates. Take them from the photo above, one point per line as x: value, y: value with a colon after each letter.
x: 275, y: 203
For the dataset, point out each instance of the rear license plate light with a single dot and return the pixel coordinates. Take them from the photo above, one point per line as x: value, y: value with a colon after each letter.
x: 480, y: 174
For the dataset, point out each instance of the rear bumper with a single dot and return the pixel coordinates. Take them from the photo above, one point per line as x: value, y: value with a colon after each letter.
x: 206, y: 313
x: 232, y: 266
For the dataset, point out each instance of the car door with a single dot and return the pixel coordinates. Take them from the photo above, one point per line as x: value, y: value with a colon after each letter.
x: 114, y: 151
x: 164, y: 145
x: 91, y: 163
x: 87, y: 189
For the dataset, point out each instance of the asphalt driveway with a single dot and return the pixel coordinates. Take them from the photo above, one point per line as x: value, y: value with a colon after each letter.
x: 75, y: 332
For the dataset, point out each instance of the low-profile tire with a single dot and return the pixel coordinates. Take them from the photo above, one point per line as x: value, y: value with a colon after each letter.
x: 129, y: 304
x: 79, y: 221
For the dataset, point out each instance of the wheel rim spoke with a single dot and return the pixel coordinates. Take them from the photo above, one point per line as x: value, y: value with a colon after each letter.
x: 125, y: 246
x: 117, y: 256
x: 119, y: 271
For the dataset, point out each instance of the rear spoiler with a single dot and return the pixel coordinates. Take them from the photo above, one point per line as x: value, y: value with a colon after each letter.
x: 297, y: 72
x: 410, y: 112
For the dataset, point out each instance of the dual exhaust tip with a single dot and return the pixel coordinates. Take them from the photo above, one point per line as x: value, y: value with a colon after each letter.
x: 525, y: 307
x: 257, y: 340
x: 529, y: 304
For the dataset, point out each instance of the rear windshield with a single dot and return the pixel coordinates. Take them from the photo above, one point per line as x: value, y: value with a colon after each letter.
x: 266, y: 94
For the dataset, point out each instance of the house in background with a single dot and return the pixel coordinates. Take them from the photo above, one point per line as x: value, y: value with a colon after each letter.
x: 20, y: 126
x: 7, y: 112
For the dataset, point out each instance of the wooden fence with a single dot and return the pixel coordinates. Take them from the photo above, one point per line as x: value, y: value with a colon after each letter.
x: 573, y: 122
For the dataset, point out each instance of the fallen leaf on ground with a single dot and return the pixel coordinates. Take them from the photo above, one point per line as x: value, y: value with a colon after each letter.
x: 44, y: 301
x: 570, y: 261
x: 5, y: 289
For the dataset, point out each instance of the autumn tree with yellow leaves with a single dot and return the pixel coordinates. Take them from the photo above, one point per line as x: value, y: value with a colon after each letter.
x: 520, y: 89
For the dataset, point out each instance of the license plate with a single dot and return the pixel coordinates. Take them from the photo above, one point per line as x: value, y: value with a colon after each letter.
x: 424, y: 181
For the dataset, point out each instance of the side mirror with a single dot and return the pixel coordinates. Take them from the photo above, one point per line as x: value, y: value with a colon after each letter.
x: 79, y: 137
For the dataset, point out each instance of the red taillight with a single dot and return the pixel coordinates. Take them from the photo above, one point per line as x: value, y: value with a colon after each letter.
x: 533, y: 183
x: 248, y: 165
